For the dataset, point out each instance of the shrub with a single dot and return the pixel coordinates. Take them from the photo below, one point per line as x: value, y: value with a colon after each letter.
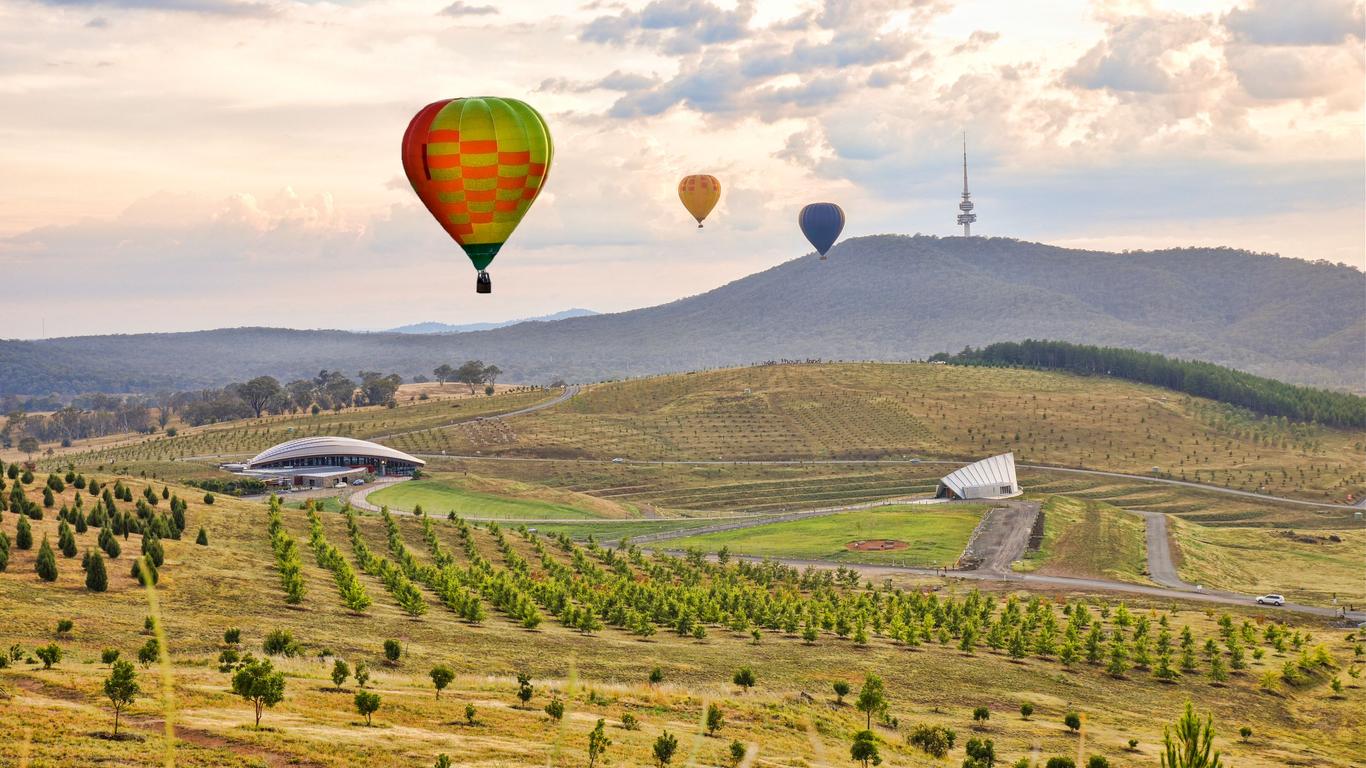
x: 144, y: 571
x: 555, y: 709
x: 864, y: 749
x: 203, y: 538
x: 598, y: 742
x: 524, y: 688
x: 629, y: 722
x: 841, y: 690
x: 208, y: 499
x: 1245, y: 732
x: 744, y: 677
x: 737, y: 752
x: 1073, y: 721
x: 232, y: 635
x: 470, y: 712
x: 361, y: 673
x: 1097, y: 761
x: 1026, y: 709
x: 1060, y: 762
x: 64, y: 626
x: 392, y: 651
x: 49, y: 654
x: 149, y: 652
x: 280, y: 642
x: 109, y: 655
x: 656, y: 676
x: 981, y: 714
x: 934, y: 740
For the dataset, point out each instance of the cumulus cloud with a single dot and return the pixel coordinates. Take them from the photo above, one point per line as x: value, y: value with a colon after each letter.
x: 1279, y: 73
x: 459, y: 8
x: 678, y: 27
x: 1138, y: 55
x: 1297, y: 22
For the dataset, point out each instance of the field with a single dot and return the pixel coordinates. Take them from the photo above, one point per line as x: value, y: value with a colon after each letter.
x: 484, y: 498
x: 1304, y: 565
x: 936, y: 536
x: 1089, y: 539
x: 56, y: 717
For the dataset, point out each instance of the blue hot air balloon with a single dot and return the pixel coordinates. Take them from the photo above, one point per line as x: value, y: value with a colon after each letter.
x: 822, y: 224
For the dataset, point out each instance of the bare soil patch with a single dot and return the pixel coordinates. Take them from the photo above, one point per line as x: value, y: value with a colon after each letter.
x: 876, y: 545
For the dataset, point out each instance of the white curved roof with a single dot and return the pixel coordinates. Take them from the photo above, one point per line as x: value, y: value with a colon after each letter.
x: 305, y: 447
x: 995, y: 472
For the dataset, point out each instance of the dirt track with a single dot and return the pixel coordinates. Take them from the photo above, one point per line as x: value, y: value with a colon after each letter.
x: 1002, y: 536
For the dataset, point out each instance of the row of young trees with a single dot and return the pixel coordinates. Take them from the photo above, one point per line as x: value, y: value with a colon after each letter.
x: 1256, y: 393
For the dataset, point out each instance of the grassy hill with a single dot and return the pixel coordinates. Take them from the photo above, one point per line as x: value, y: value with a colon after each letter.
x: 877, y: 410
x: 59, y: 716
x: 885, y: 297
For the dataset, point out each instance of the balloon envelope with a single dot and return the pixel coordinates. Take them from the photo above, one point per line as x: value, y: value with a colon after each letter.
x: 699, y: 194
x: 478, y: 164
x: 822, y: 224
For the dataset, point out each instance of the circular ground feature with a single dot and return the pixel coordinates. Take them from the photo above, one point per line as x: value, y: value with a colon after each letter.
x: 876, y: 545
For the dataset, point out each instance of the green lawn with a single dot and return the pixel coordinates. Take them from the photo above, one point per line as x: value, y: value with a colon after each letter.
x: 937, y: 536
x: 1089, y: 539
x: 612, y: 531
x: 438, y: 498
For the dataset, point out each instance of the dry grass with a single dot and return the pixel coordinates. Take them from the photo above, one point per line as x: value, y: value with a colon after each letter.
x: 232, y: 583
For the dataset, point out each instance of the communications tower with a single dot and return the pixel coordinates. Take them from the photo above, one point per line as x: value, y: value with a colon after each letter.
x: 967, y: 217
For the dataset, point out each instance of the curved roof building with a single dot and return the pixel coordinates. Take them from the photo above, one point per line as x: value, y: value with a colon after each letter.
x: 335, y: 453
x: 990, y: 478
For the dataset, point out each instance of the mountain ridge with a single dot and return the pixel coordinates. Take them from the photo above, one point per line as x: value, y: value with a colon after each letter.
x: 885, y: 297
x: 432, y: 326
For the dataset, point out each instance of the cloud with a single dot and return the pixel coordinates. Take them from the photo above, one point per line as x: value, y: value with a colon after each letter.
x: 977, y: 41
x: 460, y: 8
x: 678, y: 27
x: 99, y: 22
x: 1138, y: 56
x: 615, y: 81
x: 1297, y: 22
x: 1276, y: 73
x: 208, y: 7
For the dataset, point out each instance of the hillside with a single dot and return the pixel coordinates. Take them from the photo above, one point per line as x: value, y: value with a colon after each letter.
x: 492, y: 603
x: 884, y: 297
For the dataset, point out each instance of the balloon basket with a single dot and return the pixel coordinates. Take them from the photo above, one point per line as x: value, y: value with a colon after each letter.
x: 482, y: 283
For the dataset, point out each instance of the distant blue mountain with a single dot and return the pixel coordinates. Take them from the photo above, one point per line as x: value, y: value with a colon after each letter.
x: 433, y: 327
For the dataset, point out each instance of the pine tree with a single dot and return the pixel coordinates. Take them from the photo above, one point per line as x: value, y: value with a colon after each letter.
x: 4, y: 551
x: 23, y: 537
x: 203, y: 538
x: 96, y: 578
x: 47, y: 562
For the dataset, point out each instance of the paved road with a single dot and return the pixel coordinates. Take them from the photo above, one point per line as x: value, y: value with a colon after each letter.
x: 1161, y: 568
x: 838, y: 462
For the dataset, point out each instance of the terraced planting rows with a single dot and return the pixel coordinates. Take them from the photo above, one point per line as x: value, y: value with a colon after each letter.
x: 891, y: 410
x: 248, y: 437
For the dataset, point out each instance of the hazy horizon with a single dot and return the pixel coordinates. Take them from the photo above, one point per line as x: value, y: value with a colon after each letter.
x: 189, y: 164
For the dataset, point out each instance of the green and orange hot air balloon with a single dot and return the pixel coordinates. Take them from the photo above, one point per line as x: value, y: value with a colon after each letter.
x: 699, y: 194
x: 478, y: 165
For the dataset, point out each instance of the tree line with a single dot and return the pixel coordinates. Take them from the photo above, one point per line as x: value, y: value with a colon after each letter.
x: 1255, y: 393
x: 471, y: 373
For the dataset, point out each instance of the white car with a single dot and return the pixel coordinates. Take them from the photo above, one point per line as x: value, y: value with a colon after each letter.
x: 1271, y: 600
x: 618, y: 460
x: 358, y: 481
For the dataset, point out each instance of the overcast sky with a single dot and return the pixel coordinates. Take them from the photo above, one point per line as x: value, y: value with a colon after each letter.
x: 188, y: 164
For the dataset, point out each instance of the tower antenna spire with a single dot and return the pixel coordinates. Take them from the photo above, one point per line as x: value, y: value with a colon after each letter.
x: 967, y: 217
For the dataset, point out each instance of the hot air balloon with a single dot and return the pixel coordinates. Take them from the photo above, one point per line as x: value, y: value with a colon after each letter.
x: 478, y: 164
x: 822, y: 224
x: 699, y: 195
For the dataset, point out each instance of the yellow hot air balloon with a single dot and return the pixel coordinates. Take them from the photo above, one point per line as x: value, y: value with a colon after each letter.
x: 699, y: 194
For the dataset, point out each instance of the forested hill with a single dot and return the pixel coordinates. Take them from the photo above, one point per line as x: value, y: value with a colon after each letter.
x: 1263, y: 395
x: 884, y: 297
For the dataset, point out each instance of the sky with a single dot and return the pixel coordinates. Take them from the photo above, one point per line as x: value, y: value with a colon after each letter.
x: 175, y: 165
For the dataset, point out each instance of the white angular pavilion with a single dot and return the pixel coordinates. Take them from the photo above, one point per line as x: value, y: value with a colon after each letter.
x: 990, y: 478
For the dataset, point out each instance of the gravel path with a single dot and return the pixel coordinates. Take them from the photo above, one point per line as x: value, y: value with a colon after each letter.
x: 1161, y: 568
